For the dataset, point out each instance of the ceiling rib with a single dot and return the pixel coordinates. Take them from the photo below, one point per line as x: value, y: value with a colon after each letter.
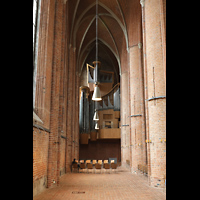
x: 80, y: 17
x: 106, y: 44
x: 110, y: 35
x: 105, y: 14
x: 77, y: 27
x: 120, y: 9
x: 112, y: 64
x: 74, y: 15
x: 118, y: 20
x: 82, y: 40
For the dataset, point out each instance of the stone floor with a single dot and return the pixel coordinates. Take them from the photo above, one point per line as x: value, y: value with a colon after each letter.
x: 120, y: 185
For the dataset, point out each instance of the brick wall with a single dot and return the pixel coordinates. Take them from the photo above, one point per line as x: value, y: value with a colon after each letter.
x: 53, y: 149
x: 101, y: 150
x: 40, y: 159
x: 41, y: 140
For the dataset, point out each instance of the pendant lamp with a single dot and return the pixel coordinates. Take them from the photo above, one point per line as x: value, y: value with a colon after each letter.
x: 96, y: 116
x: 97, y: 125
x: 96, y: 95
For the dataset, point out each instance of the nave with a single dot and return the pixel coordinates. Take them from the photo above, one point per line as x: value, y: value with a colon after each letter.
x: 120, y: 185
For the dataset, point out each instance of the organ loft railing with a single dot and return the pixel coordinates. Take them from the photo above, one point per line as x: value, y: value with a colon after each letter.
x: 111, y: 100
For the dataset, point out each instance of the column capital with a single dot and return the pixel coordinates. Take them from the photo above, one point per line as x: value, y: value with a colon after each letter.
x: 142, y: 3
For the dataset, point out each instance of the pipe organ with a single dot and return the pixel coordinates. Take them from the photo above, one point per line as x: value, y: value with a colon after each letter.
x: 109, y: 115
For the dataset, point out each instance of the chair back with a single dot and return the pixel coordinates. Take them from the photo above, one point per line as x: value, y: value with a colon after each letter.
x: 75, y: 165
x: 106, y: 165
x: 113, y: 165
x: 97, y: 166
x: 82, y: 165
x: 89, y: 166
x: 104, y: 162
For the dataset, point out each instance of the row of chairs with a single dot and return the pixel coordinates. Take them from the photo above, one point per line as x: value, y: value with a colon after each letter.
x: 143, y: 168
x: 94, y: 164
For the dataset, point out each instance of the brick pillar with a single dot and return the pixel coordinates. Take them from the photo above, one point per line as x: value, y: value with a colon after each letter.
x: 138, y: 146
x: 69, y: 110
x: 73, y: 103
x: 77, y: 116
x: 66, y: 88
x: 125, y: 128
x: 154, y: 30
x: 62, y: 102
x: 54, y: 136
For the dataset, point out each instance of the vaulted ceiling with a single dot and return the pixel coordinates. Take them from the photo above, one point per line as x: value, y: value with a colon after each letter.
x: 114, y: 19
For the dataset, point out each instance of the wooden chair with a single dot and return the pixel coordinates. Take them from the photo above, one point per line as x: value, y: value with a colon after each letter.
x: 89, y: 166
x: 114, y: 166
x: 107, y: 166
x: 74, y: 166
x: 82, y: 166
x: 97, y: 166
x: 105, y: 161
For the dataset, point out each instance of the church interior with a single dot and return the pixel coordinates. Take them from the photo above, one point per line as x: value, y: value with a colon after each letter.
x: 99, y: 88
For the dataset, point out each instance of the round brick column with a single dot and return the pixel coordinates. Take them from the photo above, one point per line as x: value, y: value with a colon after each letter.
x: 138, y: 146
x: 156, y: 100
x: 125, y: 128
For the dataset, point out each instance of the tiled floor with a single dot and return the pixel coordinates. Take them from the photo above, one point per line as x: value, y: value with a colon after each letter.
x: 121, y: 185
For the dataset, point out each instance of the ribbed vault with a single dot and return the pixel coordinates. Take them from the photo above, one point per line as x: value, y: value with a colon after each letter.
x: 112, y: 32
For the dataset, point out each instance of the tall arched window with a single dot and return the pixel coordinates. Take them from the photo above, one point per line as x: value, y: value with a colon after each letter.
x: 36, y: 20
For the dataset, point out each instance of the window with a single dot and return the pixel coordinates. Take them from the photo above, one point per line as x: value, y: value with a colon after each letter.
x: 36, y: 20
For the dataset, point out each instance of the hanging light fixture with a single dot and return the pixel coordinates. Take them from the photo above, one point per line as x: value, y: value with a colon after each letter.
x: 96, y: 95
x: 97, y: 125
x: 96, y: 116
